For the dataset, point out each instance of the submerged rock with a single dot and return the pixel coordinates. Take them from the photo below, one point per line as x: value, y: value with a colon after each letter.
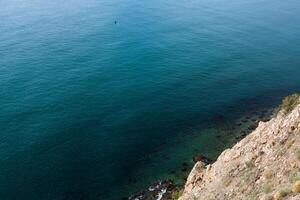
x: 218, y: 136
x: 184, y: 169
x: 244, y: 120
x: 218, y: 117
x: 202, y: 158
x: 159, y: 190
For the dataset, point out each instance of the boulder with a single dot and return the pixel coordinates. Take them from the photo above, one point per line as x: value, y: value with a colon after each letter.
x: 201, y: 158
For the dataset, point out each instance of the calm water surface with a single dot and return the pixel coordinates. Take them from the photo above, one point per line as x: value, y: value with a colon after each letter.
x: 86, y: 102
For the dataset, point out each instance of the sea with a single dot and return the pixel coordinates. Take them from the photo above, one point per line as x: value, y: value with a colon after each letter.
x: 100, y: 98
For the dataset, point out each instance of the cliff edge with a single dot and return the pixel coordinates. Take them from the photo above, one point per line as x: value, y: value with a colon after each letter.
x: 264, y: 165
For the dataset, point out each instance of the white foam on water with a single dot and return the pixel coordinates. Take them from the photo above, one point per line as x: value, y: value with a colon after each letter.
x: 161, y: 193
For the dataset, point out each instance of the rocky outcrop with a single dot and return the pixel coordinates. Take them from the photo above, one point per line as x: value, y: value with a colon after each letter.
x: 264, y: 165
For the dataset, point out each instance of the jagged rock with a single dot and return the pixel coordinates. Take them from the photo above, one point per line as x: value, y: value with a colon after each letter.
x: 201, y: 158
x: 194, y: 177
x: 240, y: 172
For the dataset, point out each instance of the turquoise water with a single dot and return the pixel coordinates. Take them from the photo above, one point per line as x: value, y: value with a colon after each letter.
x: 90, y: 108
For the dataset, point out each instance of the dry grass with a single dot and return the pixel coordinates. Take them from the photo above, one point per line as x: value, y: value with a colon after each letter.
x: 296, y: 187
x: 281, y: 194
x: 289, y: 103
x: 297, y: 153
x: 268, y: 174
x: 290, y: 143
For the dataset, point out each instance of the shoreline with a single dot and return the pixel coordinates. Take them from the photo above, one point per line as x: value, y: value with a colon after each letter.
x: 263, y: 165
x: 225, y: 136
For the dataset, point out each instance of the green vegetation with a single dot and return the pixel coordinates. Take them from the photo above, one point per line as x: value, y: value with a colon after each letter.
x: 289, y: 103
x: 285, y: 192
x: 293, y: 177
x: 250, y: 164
x: 177, y: 194
x: 281, y: 150
x: 254, y: 194
x: 281, y: 194
x: 249, y: 175
x: 297, y: 153
x: 195, y: 198
x: 269, y: 197
x: 267, y: 188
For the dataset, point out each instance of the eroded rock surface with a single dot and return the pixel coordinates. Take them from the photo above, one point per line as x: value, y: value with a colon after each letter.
x: 264, y: 165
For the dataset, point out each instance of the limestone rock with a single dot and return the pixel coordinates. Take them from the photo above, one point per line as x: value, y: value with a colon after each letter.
x: 263, y: 165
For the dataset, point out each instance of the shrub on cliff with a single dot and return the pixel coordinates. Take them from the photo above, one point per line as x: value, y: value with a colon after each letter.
x: 298, y: 153
x: 289, y: 103
x: 293, y: 176
x: 281, y: 194
x: 296, y: 187
x: 177, y: 194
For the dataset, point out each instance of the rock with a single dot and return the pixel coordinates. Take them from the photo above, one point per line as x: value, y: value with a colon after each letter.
x: 293, y: 128
x: 252, y: 127
x: 202, y: 158
x: 194, y: 177
x: 184, y: 169
x: 157, y: 190
x: 266, y: 148
x: 169, y: 184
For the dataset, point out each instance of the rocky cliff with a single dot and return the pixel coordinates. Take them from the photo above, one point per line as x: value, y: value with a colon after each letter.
x: 264, y: 165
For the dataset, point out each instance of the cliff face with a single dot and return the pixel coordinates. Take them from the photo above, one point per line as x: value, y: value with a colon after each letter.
x: 264, y: 165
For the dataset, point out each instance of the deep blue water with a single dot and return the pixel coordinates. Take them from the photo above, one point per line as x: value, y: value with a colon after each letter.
x: 85, y: 101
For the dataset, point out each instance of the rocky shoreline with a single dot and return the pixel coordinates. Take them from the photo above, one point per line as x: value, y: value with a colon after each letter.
x: 157, y: 190
x: 265, y: 165
x: 166, y: 189
x: 169, y: 190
